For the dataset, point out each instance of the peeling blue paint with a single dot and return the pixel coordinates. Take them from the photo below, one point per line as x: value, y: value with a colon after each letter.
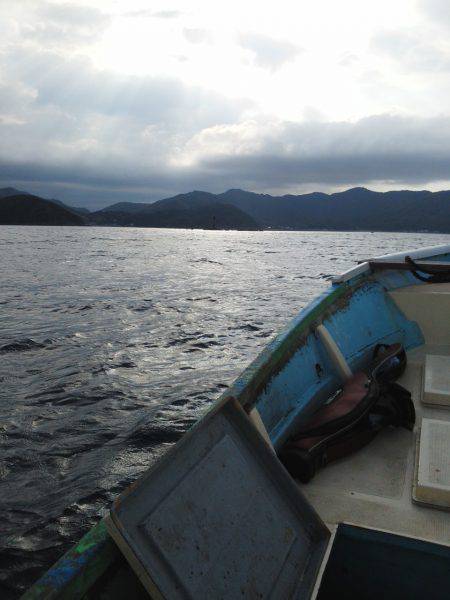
x: 368, y: 317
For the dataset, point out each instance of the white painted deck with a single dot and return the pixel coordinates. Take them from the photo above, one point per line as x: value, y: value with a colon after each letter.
x: 373, y: 487
x: 429, y: 306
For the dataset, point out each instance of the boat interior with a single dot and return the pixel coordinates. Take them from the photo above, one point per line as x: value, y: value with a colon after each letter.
x: 374, y: 489
x: 374, y: 486
x: 387, y: 504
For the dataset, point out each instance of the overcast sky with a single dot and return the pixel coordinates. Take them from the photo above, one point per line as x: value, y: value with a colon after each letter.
x: 110, y: 100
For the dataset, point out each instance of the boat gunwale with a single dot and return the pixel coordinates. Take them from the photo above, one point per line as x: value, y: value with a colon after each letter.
x: 364, y: 267
x: 78, y: 569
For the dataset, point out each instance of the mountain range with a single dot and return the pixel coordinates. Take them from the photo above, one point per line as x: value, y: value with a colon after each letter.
x: 356, y: 209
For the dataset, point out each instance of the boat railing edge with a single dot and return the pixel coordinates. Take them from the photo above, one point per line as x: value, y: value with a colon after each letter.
x: 364, y: 267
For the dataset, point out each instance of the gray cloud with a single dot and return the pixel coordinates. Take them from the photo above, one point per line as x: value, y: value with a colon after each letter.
x: 74, y: 86
x: 167, y: 14
x: 380, y: 148
x: 69, y: 14
x: 348, y: 60
x: 268, y: 52
x: 159, y: 14
x: 55, y: 24
x: 275, y: 171
x: 63, y: 121
x: 278, y: 157
x: 437, y: 10
x: 197, y: 36
x: 412, y: 50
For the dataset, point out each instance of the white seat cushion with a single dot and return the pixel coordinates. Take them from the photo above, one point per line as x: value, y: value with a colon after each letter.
x: 432, y: 485
x: 436, y: 387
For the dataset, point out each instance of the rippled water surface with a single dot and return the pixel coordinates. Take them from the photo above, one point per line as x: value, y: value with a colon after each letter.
x: 112, y: 343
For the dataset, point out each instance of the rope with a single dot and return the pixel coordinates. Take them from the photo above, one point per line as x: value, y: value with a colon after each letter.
x: 435, y: 276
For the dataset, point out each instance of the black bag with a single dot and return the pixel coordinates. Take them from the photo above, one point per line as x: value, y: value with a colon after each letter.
x: 353, y: 416
x: 388, y: 362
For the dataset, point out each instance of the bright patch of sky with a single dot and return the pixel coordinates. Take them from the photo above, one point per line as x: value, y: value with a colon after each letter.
x: 340, y: 64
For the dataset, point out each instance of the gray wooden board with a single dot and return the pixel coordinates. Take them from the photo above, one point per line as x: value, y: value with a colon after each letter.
x: 219, y: 517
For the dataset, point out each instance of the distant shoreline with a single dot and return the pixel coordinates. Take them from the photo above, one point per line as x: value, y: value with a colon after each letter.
x: 262, y: 230
x: 356, y: 209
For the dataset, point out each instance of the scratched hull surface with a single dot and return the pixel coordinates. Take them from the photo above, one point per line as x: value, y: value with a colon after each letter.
x: 114, y: 341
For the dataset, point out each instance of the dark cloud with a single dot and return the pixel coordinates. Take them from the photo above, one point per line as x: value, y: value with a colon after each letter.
x: 277, y: 157
x: 274, y: 171
x: 95, y: 186
x: 382, y: 148
x: 268, y: 52
x: 74, y: 86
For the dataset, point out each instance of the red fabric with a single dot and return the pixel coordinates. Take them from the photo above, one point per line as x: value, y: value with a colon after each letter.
x: 353, y: 392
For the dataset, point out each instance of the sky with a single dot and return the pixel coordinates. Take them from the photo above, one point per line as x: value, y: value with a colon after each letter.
x: 104, y: 101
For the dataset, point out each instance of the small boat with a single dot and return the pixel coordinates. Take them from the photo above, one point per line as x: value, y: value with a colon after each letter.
x: 219, y: 516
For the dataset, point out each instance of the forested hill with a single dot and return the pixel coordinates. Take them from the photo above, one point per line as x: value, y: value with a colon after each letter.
x: 356, y: 209
x: 25, y: 209
x: 353, y: 209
